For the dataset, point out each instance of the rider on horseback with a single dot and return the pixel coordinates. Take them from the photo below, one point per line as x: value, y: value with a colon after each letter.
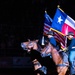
x: 52, y: 40
x: 71, y: 48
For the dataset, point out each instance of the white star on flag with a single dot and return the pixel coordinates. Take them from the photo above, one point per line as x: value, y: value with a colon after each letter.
x: 60, y: 19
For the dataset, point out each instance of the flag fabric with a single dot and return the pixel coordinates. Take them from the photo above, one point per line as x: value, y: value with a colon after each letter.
x: 60, y: 38
x: 47, y: 23
x: 63, y: 23
x: 47, y: 27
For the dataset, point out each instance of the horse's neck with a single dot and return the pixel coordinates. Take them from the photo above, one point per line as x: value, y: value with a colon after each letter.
x: 56, y: 56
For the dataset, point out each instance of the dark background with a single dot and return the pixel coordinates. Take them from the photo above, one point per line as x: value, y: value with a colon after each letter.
x: 25, y: 18
x: 21, y: 20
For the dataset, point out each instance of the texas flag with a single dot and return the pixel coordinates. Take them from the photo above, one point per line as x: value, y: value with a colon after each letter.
x: 63, y: 23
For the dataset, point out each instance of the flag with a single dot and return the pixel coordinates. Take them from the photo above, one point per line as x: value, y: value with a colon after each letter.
x: 47, y: 27
x: 47, y: 23
x: 60, y: 38
x: 63, y: 23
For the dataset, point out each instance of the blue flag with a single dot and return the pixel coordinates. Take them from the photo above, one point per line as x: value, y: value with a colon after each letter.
x: 47, y: 23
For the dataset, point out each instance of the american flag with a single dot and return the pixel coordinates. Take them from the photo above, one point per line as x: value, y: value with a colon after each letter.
x: 60, y: 37
x: 47, y: 23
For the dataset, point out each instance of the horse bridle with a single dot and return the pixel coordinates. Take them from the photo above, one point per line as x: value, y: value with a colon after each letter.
x: 24, y: 46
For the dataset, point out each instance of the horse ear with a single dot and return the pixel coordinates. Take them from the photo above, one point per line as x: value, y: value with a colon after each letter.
x: 37, y: 40
x: 28, y: 40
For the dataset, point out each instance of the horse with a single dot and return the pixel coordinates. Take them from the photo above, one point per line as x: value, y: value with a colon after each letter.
x: 32, y: 48
x: 61, y: 60
x: 48, y: 50
x: 59, y: 57
x: 41, y: 57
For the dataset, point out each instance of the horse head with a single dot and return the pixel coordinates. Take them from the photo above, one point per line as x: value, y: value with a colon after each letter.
x: 28, y: 45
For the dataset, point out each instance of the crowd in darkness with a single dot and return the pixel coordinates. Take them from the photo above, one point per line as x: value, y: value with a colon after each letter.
x: 10, y: 41
x: 8, y: 45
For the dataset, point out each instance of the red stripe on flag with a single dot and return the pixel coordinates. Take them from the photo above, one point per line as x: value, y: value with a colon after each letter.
x: 59, y: 37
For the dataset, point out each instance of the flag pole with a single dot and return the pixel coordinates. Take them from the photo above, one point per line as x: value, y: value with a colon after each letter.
x: 58, y: 6
x: 65, y: 41
x: 45, y: 11
x: 43, y: 32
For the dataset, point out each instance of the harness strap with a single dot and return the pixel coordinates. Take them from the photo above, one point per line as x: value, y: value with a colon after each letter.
x: 37, y: 64
x: 59, y: 65
x: 43, y: 69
